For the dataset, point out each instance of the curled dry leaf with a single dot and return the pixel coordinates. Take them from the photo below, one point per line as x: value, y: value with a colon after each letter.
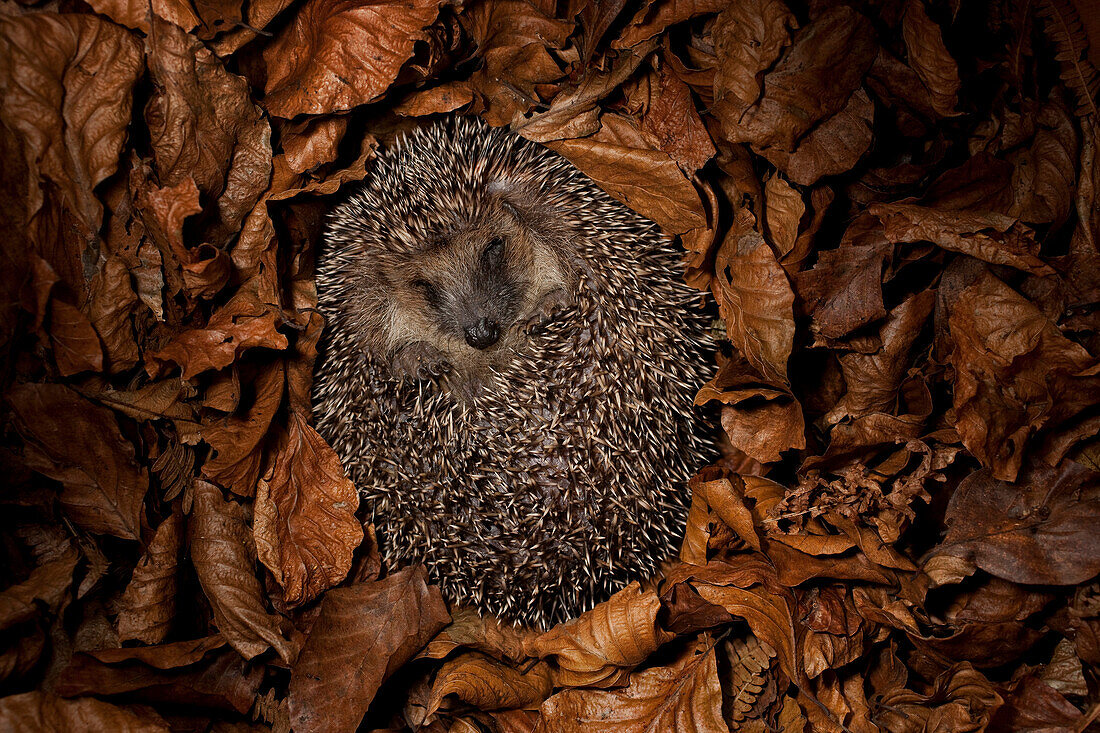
x: 67, y: 83
x: 843, y: 291
x: 748, y: 39
x: 305, y: 526
x: 488, y: 684
x: 148, y: 604
x: 755, y: 298
x: 624, y: 164
x: 1040, y: 530
x: 336, y: 54
x: 930, y: 59
x: 783, y: 210
x: 135, y: 13
x: 203, y: 125
x: 79, y: 444
x: 682, y: 696
x: 961, y: 699
x: 486, y: 634
x: 599, y: 647
x: 224, y: 559
x: 653, y: 18
x: 48, y: 583
x: 38, y: 711
x: 365, y: 632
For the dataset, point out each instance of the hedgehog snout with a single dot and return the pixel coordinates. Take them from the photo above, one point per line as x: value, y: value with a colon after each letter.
x: 483, y: 334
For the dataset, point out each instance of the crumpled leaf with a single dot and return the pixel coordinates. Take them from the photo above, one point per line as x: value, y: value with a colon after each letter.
x: 203, y: 125
x: 305, y: 526
x: 961, y: 700
x: 598, y: 648
x: 48, y: 583
x: 364, y: 633
x: 38, y: 711
x: 488, y: 684
x: 748, y: 39
x: 1040, y: 530
x: 224, y: 560
x: 67, y: 83
x: 336, y: 54
x: 625, y: 165
x: 148, y: 604
x: 755, y: 298
x: 929, y: 58
x: 79, y: 444
x: 682, y: 696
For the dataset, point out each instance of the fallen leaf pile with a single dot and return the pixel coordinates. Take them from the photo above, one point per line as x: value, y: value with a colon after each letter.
x: 894, y: 205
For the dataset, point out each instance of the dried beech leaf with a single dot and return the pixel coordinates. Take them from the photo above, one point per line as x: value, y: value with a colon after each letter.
x: 783, y: 211
x: 653, y: 18
x: 67, y: 83
x: 681, y: 696
x: 224, y: 560
x: 624, y: 164
x: 365, y: 632
x: 833, y: 147
x: 135, y: 13
x: 961, y: 699
x: 308, y: 145
x: 48, y: 583
x: 75, y: 343
x: 930, y: 58
x: 490, y: 685
x: 994, y: 238
x: 1040, y: 530
x: 486, y: 634
x: 203, y: 125
x: 594, y: 649
x: 305, y: 526
x: 755, y: 298
x: 148, y: 604
x: 748, y: 38
x: 336, y: 54
x: 844, y: 289
x: 79, y: 444
x: 675, y: 123
x: 40, y: 711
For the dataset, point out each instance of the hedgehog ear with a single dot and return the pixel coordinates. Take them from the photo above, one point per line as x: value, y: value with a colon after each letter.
x: 518, y: 204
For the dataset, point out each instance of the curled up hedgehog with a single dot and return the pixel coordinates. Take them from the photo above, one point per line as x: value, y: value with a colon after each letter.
x: 507, y: 372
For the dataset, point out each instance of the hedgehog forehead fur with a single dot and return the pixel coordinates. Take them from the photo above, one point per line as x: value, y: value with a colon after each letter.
x: 507, y: 372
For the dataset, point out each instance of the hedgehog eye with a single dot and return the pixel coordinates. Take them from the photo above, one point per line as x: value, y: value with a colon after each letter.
x: 494, y: 250
x: 424, y: 286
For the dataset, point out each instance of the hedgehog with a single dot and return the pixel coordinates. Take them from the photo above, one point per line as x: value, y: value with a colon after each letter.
x: 507, y: 372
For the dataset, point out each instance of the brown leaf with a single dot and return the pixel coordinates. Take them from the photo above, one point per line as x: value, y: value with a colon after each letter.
x: 930, y: 58
x: 1044, y: 174
x: 624, y: 163
x: 994, y: 238
x: 75, y: 343
x: 594, y: 649
x: 39, y: 711
x: 486, y: 634
x: 244, y: 322
x: 843, y: 291
x: 811, y: 82
x: 305, y: 526
x: 148, y: 604
x: 79, y: 444
x: 135, y: 13
x: 681, y: 696
x: 67, y: 83
x: 488, y: 684
x: 238, y: 439
x: 672, y: 119
x: 748, y: 39
x: 1040, y: 530
x: 833, y: 147
x: 224, y: 560
x: 203, y: 125
x: 1016, y: 374
x: 961, y: 699
x: 653, y: 18
x: 336, y: 55
x: 364, y: 634
x: 755, y: 298
x: 113, y: 300
x: 48, y: 583
x: 309, y: 144
x: 783, y: 210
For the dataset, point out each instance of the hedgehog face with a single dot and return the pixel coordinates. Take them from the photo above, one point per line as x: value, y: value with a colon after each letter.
x: 461, y: 302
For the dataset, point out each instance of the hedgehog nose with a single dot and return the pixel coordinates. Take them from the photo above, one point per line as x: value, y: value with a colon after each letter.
x: 482, y: 334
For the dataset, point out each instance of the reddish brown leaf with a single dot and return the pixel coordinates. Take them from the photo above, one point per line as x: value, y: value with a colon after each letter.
x: 682, y: 696
x: 365, y: 633
x: 38, y: 711
x: 307, y: 145
x: 305, y: 526
x: 203, y: 125
x: 224, y: 560
x: 336, y: 55
x: 844, y: 289
x: 135, y: 13
x: 961, y: 699
x: 148, y: 604
x: 1040, y: 530
x: 79, y: 444
x: 755, y: 298
x: 597, y: 648
x: 930, y: 58
x: 48, y: 583
x: 67, y: 83
x: 654, y: 17
x: 490, y: 685
x: 748, y: 39
x: 626, y: 165
x: 75, y: 343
